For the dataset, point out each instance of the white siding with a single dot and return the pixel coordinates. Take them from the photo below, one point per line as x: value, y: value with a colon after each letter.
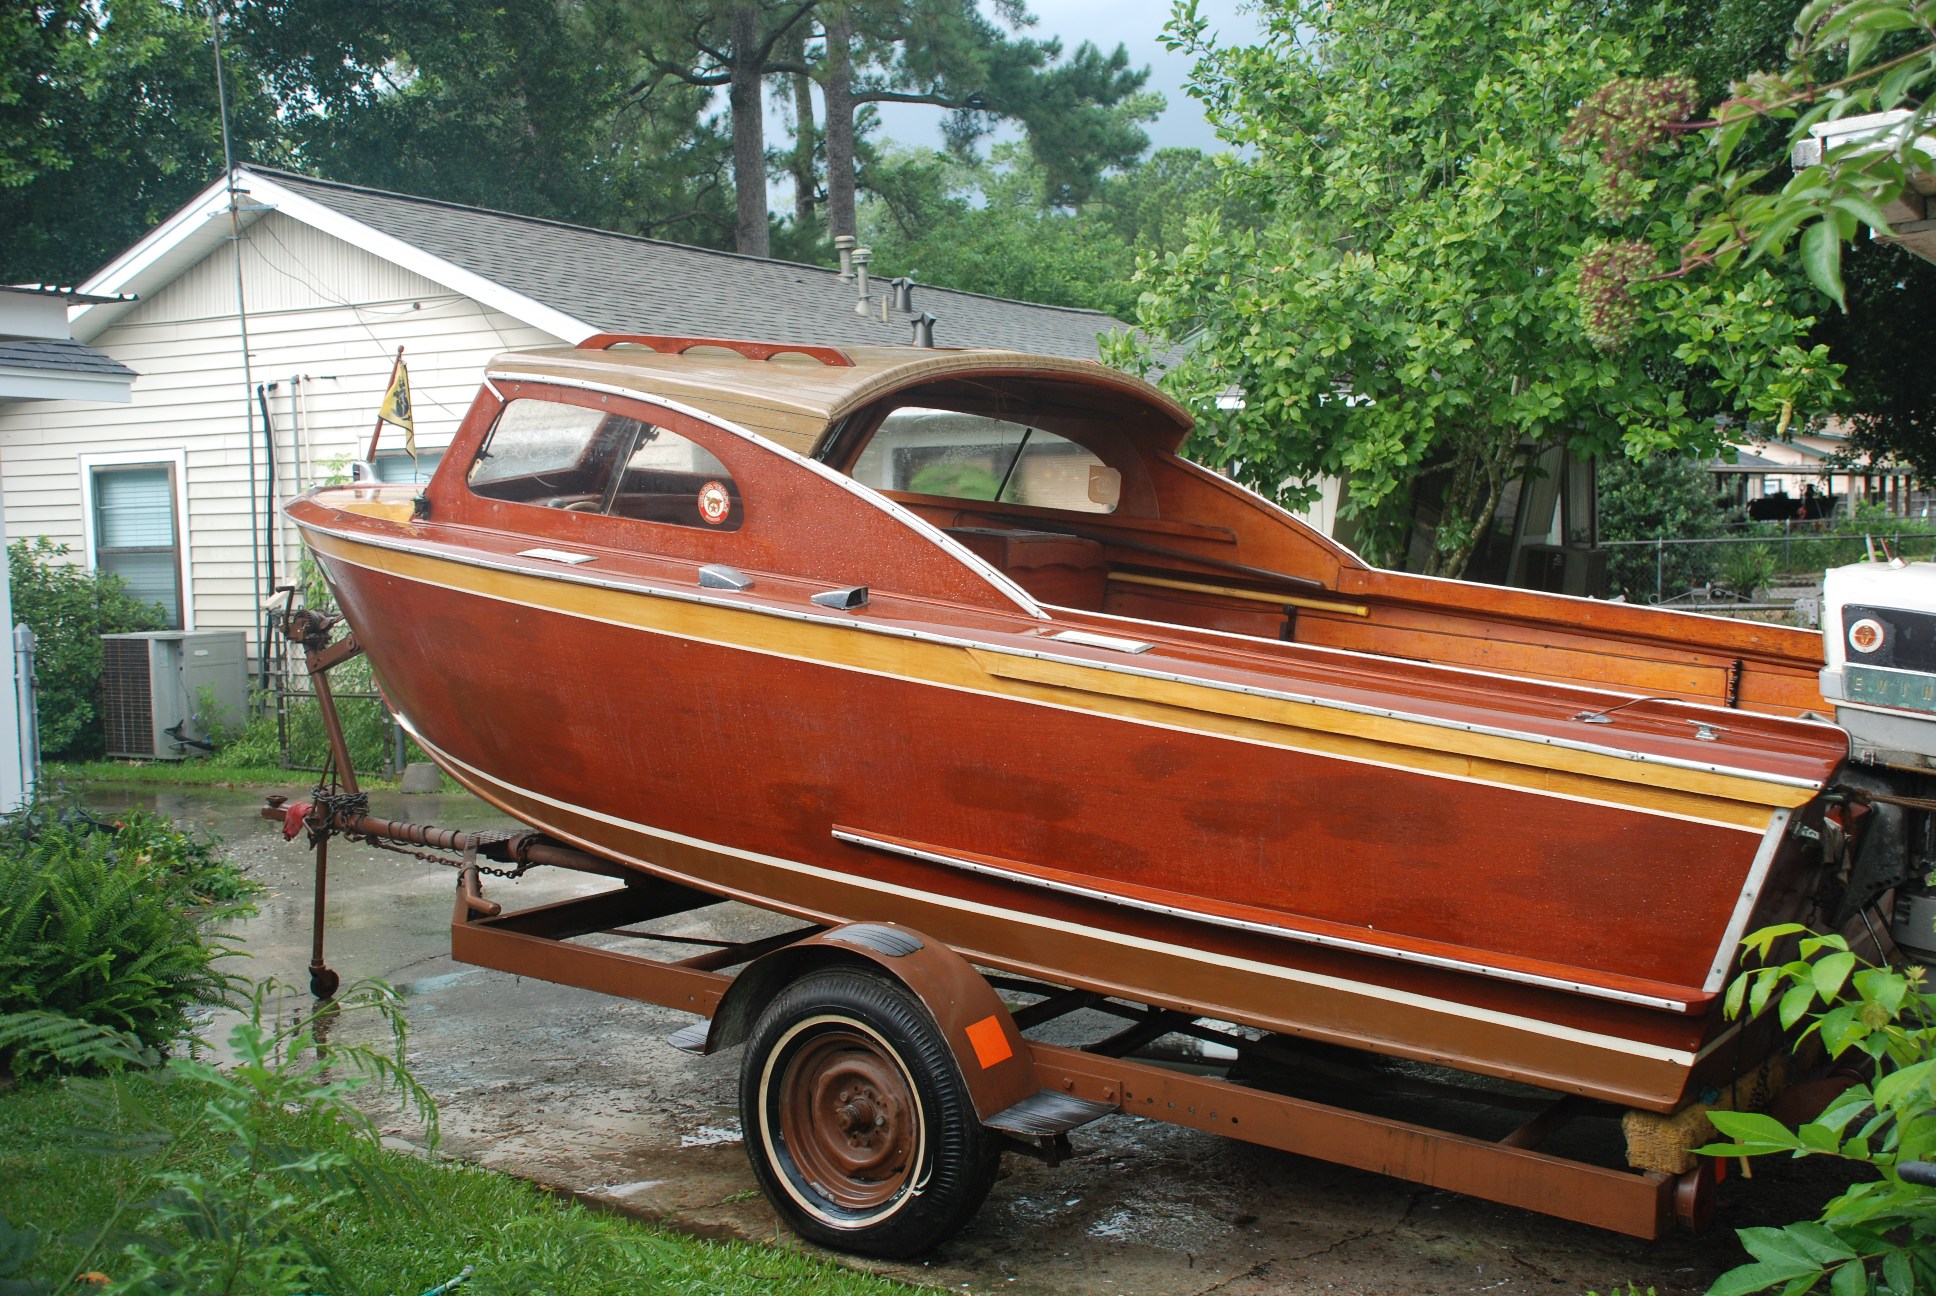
x: 325, y: 320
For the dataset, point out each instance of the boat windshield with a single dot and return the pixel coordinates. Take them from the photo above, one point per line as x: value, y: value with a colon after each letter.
x: 960, y: 455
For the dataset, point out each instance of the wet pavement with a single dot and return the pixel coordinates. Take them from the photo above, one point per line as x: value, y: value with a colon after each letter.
x: 582, y: 1093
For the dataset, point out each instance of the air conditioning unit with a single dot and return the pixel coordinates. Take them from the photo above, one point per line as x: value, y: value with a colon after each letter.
x: 153, y: 686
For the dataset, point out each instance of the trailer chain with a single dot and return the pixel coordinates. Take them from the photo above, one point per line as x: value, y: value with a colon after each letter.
x: 333, y: 806
x: 430, y: 857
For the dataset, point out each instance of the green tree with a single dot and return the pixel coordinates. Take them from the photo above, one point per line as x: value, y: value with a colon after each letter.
x: 69, y: 609
x: 1891, y: 382
x: 531, y: 106
x: 109, y: 118
x: 1891, y: 387
x: 1663, y: 496
x: 1847, y: 58
x: 994, y: 226
x: 108, y: 122
x: 1446, y: 275
x: 734, y: 44
x: 1081, y: 116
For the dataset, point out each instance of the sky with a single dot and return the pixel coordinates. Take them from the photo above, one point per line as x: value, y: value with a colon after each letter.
x: 1137, y: 24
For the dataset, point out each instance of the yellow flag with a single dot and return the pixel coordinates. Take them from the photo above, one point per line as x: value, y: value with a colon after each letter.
x: 396, y: 408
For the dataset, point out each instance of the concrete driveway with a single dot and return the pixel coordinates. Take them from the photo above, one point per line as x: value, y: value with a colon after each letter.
x: 581, y: 1093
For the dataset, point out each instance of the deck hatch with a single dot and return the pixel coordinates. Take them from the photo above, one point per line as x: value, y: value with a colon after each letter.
x: 1091, y: 640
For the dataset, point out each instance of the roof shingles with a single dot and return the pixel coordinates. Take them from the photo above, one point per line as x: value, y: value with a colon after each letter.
x: 52, y: 355
x: 621, y: 283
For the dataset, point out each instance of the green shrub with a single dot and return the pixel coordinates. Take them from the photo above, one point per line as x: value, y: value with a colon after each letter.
x: 70, y: 608
x: 1747, y: 568
x: 1644, y: 499
x: 1879, y: 1237
x: 296, y: 1150
x: 259, y: 744
x: 109, y: 923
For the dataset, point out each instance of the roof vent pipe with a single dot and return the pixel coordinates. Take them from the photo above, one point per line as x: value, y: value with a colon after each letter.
x: 923, y: 330
x: 904, y: 294
x: 861, y: 257
x: 844, y: 243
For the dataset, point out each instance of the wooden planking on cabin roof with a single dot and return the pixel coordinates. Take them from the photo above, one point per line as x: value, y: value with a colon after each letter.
x: 793, y: 400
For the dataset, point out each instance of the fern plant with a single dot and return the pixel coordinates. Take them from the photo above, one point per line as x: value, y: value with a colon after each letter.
x: 69, y: 1044
x: 111, y: 924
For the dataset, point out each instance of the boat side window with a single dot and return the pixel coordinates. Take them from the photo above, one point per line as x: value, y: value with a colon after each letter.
x: 671, y: 478
x: 587, y: 460
x: 974, y: 456
x: 553, y: 454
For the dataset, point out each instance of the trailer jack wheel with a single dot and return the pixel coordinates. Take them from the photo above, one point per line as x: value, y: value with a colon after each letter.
x: 858, y: 1122
x: 1694, y: 1195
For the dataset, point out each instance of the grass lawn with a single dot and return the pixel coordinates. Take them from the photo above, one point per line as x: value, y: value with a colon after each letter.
x: 521, y: 1241
x: 185, y: 773
x: 195, y: 773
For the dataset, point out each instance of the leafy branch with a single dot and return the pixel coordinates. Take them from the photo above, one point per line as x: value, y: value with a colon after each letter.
x: 1878, y: 1236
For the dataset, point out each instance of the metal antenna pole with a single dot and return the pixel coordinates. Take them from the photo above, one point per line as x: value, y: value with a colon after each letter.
x: 241, y: 303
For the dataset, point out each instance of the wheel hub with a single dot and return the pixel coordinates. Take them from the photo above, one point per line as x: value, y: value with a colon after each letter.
x: 848, y: 1115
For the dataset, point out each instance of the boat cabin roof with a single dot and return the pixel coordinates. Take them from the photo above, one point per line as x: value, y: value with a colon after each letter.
x: 797, y: 396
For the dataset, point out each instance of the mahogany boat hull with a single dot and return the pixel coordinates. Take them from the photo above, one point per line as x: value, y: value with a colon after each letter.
x: 1105, y: 718
x: 1440, y: 895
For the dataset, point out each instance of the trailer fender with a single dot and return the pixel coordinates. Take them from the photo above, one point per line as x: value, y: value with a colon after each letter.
x: 994, y: 1059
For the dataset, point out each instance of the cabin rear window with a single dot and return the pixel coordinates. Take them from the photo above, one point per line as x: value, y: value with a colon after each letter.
x: 973, y: 456
x: 560, y: 456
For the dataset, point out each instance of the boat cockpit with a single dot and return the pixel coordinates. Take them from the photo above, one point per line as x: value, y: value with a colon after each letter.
x: 1072, y: 491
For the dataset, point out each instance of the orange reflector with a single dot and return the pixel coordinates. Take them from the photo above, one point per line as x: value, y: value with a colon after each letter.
x: 991, y: 1045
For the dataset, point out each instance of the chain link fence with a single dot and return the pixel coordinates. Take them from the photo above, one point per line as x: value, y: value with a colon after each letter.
x: 1793, y: 551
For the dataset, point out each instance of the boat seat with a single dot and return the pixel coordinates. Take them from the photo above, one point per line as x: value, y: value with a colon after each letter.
x: 1066, y: 570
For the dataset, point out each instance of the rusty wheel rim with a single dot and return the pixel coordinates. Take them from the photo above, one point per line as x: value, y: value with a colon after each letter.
x: 849, y: 1118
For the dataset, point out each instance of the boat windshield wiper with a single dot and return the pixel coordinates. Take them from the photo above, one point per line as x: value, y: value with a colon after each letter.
x: 1013, y: 464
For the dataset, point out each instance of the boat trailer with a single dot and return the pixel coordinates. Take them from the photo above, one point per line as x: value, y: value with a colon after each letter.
x: 841, y: 1094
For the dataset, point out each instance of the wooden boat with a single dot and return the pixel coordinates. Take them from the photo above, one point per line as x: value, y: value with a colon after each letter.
x: 957, y: 640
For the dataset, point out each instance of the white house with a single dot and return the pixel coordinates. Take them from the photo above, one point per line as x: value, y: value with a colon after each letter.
x: 40, y: 362
x: 179, y: 490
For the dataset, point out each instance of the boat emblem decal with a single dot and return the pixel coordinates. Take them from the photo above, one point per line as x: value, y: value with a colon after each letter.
x: 714, y: 502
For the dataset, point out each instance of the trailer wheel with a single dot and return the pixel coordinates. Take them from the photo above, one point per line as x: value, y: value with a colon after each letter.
x: 857, y: 1120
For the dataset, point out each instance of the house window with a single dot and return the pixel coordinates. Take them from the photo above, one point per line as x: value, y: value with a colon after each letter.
x: 136, y: 535
x: 400, y: 469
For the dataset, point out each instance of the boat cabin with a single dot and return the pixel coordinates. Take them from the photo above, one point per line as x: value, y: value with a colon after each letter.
x: 1017, y: 485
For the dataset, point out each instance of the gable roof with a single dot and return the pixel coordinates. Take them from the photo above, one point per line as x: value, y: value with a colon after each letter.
x: 573, y: 281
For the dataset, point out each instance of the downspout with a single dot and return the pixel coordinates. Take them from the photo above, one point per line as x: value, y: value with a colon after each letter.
x: 292, y: 553
x: 268, y: 532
